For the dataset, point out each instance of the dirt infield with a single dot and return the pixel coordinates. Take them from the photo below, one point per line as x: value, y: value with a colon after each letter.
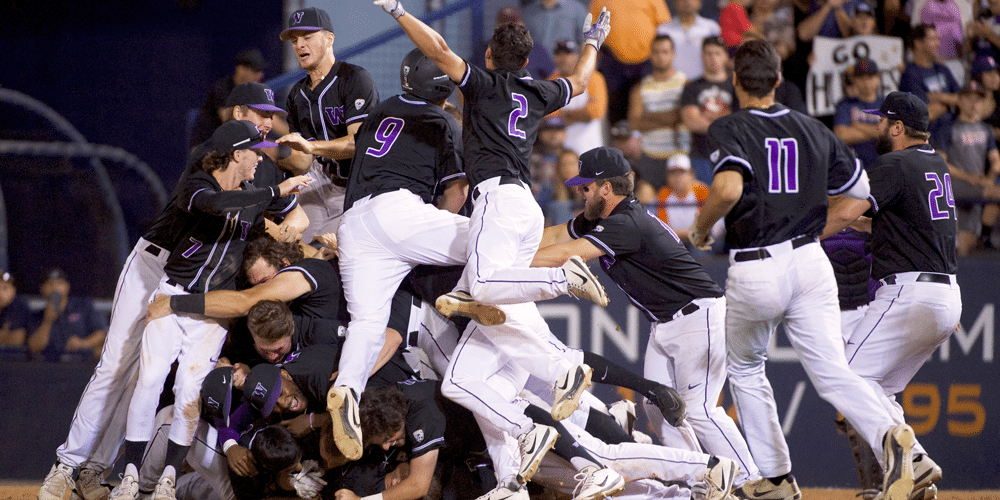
x: 26, y: 491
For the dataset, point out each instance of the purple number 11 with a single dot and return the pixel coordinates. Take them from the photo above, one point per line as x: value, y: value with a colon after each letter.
x: 783, y: 165
x: 386, y: 134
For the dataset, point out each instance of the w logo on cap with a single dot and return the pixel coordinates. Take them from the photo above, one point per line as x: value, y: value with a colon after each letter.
x: 270, y: 95
x: 297, y: 17
x: 259, y: 392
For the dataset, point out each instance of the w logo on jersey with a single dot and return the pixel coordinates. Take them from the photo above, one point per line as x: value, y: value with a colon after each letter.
x: 335, y: 115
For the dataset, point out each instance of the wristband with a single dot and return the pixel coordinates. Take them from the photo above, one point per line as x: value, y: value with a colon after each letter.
x: 193, y: 303
x: 228, y: 444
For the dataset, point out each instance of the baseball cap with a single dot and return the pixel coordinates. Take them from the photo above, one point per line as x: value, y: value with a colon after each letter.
x: 983, y: 64
x: 864, y: 67
x: 863, y: 8
x: 256, y: 95
x: 56, y: 274
x: 600, y: 163
x: 238, y: 134
x: 262, y: 387
x: 217, y: 394
x: 251, y: 58
x: 552, y: 122
x: 679, y: 162
x: 565, y: 47
x: 307, y: 19
x: 905, y: 107
x: 973, y: 87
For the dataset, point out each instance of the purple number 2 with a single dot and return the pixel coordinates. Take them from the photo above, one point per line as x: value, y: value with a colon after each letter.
x: 386, y: 134
x: 941, y: 189
x: 787, y: 170
x: 520, y: 112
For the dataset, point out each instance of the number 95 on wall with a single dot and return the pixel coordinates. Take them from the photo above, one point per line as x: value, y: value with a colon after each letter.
x: 955, y: 408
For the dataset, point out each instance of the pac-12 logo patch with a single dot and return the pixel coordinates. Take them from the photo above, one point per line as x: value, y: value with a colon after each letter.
x: 714, y: 156
x: 358, y: 103
x: 418, y: 435
x: 598, y: 229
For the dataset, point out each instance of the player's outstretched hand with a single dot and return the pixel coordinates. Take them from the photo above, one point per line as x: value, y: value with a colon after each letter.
x: 241, y: 461
x: 294, y: 184
x: 298, y: 426
x: 391, y: 7
x: 296, y: 142
x: 309, y: 481
x: 594, y: 34
x: 328, y: 240
x: 701, y: 241
x: 158, y: 308
x: 240, y: 372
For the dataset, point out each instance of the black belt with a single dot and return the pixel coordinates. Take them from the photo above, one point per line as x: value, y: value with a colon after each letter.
x: 171, y: 282
x: 762, y: 253
x: 153, y: 250
x: 688, y: 309
x: 943, y: 279
x: 504, y: 179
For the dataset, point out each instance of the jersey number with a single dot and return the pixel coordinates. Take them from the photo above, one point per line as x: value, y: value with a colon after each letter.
x: 519, y: 112
x: 782, y: 165
x: 386, y: 135
x: 942, y: 189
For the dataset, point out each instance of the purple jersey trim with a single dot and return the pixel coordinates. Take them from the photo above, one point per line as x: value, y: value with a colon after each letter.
x: 854, y: 179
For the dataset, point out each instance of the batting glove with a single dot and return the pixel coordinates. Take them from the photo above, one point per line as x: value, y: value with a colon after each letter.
x: 308, y: 482
x: 392, y: 7
x: 594, y: 34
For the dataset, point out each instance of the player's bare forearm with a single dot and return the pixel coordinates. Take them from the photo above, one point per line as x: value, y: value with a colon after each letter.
x: 557, y: 255
x: 418, y: 482
x: 725, y: 191
x: 454, y: 195
x: 694, y: 119
x: 842, y: 212
x: 433, y: 45
x: 294, y: 225
x: 554, y: 235
x: 584, y: 70
x: 392, y: 341
x: 298, y: 163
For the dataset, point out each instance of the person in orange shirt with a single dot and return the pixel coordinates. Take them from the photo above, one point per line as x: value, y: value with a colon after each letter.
x: 682, y: 197
x: 585, y: 113
x: 625, y: 56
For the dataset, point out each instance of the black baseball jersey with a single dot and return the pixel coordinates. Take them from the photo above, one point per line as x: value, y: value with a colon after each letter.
x: 425, y: 422
x: 173, y: 221
x: 501, y: 117
x: 405, y: 143
x: 646, y: 259
x: 915, y: 220
x: 323, y: 113
x: 790, y: 162
x: 208, y: 253
x: 239, y: 346
x: 326, y: 299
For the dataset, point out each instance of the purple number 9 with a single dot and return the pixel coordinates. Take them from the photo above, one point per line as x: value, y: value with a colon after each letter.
x: 386, y: 134
x: 520, y: 112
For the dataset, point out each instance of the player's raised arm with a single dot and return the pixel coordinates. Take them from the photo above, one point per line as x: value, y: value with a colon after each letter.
x: 594, y: 35
x: 426, y: 39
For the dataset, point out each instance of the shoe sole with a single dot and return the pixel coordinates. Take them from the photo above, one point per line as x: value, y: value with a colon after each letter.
x: 614, y: 489
x: 547, y: 442
x: 927, y: 493
x: 564, y: 408
x: 345, y: 436
x: 602, y: 298
x: 898, y: 484
x: 94, y: 494
x: 485, y: 315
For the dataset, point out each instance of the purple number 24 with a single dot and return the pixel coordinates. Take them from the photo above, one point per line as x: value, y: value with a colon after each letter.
x: 386, y: 134
x: 941, y: 189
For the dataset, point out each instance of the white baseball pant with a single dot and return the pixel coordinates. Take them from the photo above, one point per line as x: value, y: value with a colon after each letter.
x: 796, y: 286
x: 195, y: 342
x: 689, y: 354
x: 905, y: 323
x: 98, y: 425
x: 381, y: 240
x: 323, y: 202
x: 205, y: 457
x: 849, y: 321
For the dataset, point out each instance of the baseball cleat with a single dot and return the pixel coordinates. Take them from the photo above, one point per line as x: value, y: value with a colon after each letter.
x: 927, y: 493
x: 897, y: 449
x: 719, y: 476
x: 462, y: 304
x: 342, y: 404
x: 595, y: 483
x: 89, y: 487
x: 925, y: 472
x: 165, y: 486
x: 624, y: 413
x: 129, y: 489
x: 534, y: 444
x: 764, y: 489
x: 670, y: 404
x: 568, y: 390
x: 510, y: 491
x: 582, y: 283
x: 56, y: 482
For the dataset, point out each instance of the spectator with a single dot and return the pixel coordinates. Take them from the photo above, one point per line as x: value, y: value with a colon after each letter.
x: 734, y: 23
x: 925, y: 77
x: 585, y: 113
x: 249, y: 68
x: 705, y: 99
x: 625, y: 56
x: 775, y: 22
x: 654, y: 108
x: 545, y: 158
x: 629, y: 142
x: 67, y: 324
x: 679, y: 201
x: 863, y: 22
x: 827, y: 18
x: 985, y: 72
x: 14, y: 314
x: 947, y: 21
x: 850, y: 122
x: 983, y: 34
x: 968, y: 146
x: 688, y: 30
x: 551, y: 21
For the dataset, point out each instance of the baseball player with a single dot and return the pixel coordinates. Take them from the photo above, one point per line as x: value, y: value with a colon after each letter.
x: 223, y: 207
x: 98, y: 424
x: 648, y: 261
x: 774, y: 169
x: 913, y: 254
x: 325, y: 110
x: 503, y: 108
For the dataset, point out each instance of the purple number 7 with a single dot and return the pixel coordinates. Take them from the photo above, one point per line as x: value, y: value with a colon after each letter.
x: 386, y: 134
x: 520, y: 112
